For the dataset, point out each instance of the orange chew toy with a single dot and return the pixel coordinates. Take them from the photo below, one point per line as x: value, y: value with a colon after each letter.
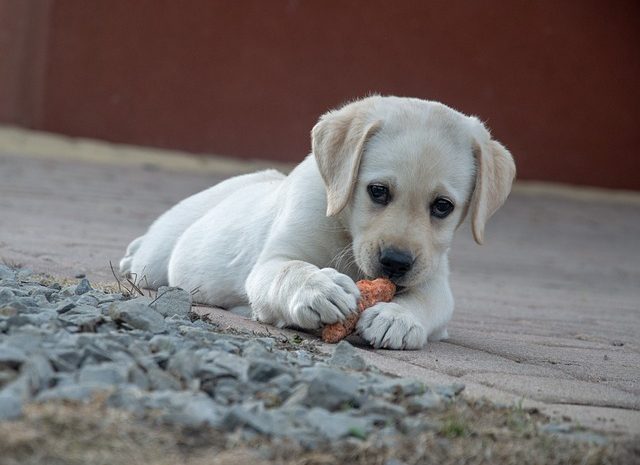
x: 371, y: 292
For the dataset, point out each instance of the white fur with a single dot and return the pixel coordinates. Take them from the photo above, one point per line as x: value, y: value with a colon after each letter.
x: 264, y: 239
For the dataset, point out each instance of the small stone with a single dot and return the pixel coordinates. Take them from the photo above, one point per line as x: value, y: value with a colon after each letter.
x: 259, y: 421
x: 416, y: 425
x: 88, y: 299
x: 198, y: 411
x: 6, y: 296
x: 11, y: 357
x: 65, y: 306
x: 449, y: 391
x: 262, y: 370
x: 422, y: 402
x: 86, y: 317
x: 183, y: 364
x: 383, y: 408
x: 216, y: 364
x: 160, y: 380
x: 107, y: 373
x: 72, y: 392
x: 83, y: 287
x: 138, y: 315
x: 345, y: 356
x: 38, y: 372
x: 172, y: 301
x: 392, y: 387
x: 161, y: 342
x: 337, y: 425
x: 10, y: 405
x: 7, y: 273
x: 330, y: 389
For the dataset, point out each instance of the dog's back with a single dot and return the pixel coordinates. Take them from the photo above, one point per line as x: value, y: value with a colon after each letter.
x: 147, y: 257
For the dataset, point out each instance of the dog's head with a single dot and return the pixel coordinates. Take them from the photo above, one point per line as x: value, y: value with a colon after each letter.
x: 402, y: 173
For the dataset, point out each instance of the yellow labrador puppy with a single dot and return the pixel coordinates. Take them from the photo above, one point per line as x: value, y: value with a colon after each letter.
x: 389, y: 181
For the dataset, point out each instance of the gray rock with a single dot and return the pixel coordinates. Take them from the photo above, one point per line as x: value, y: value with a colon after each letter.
x: 11, y: 357
x: 172, y: 301
x: 330, y: 389
x: 165, y: 343
x: 392, y: 387
x: 10, y: 405
x: 197, y: 411
x: 345, y: 356
x: 184, y: 364
x: 217, y: 364
x: 422, y: 402
x: 71, y: 392
x: 302, y: 358
x: 255, y: 349
x: 262, y: 370
x: 65, y: 359
x: 282, y: 381
x: 138, y: 377
x: 160, y: 380
x: 337, y: 425
x: 226, y: 391
x: 38, y: 372
x: 6, y: 296
x: 7, y: 273
x: 83, y: 287
x: 384, y: 409
x: 86, y: 317
x: 107, y: 373
x: 449, y: 391
x: 180, y: 408
x: 257, y: 420
x: 88, y: 299
x: 138, y: 315
x: 416, y: 425
x: 65, y: 305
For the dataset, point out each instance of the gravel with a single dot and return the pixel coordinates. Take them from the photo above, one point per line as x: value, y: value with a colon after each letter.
x: 147, y: 356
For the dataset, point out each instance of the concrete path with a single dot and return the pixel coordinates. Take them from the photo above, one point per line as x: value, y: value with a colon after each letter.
x: 547, y: 311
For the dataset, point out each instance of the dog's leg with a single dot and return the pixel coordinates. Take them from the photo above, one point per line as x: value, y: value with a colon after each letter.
x: 296, y: 293
x: 411, y: 318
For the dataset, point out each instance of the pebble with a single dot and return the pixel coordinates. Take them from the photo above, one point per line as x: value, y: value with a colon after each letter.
x: 83, y: 287
x: 345, y: 356
x: 138, y: 315
x: 71, y: 343
x: 172, y: 301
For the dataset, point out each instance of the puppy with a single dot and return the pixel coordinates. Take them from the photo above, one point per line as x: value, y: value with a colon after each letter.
x: 388, y: 182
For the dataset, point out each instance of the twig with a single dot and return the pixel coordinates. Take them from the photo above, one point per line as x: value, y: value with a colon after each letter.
x: 115, y: 276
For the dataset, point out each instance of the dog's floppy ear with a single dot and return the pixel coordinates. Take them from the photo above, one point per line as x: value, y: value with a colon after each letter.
x: 338, y: 141
x: 495, y: 172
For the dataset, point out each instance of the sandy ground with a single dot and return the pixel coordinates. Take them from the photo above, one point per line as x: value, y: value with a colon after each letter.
x: 547, y: 311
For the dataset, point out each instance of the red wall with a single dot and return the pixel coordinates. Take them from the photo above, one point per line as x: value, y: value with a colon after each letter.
x: 557, y: 81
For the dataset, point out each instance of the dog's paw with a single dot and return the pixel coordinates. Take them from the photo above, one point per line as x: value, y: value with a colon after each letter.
x: 326, y: 297
x: 389, y: 326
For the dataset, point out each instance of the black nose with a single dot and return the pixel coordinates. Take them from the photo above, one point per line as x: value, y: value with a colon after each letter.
x: 395, y: 263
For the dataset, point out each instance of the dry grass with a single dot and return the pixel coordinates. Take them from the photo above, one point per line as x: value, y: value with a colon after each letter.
x: 478, y: 433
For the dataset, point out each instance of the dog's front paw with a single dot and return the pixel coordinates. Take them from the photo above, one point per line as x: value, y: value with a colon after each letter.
x: 326, y: 297
x: 389, y: 326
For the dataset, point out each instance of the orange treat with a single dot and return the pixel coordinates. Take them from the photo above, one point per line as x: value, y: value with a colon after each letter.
x: 371, y: 292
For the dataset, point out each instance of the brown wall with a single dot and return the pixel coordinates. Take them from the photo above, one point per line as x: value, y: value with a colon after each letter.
x: 557, y: 81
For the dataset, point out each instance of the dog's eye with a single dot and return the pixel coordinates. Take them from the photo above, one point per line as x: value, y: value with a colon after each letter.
x: 379, y: 193
x: 441, y: 208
